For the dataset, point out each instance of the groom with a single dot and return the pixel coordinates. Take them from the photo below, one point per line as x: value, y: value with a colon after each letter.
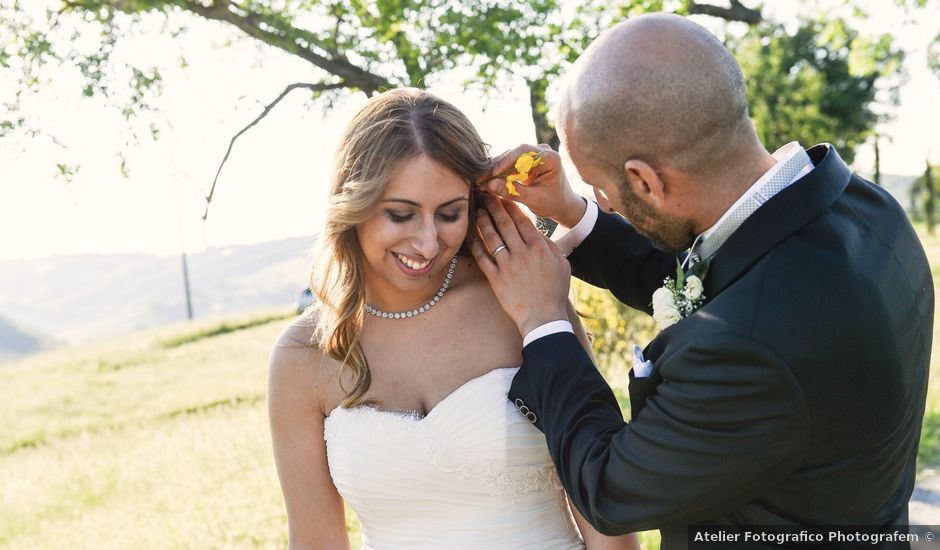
x: 793, y: 395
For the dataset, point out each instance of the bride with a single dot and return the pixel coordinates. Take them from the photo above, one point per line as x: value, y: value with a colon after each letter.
x: 390, y: 393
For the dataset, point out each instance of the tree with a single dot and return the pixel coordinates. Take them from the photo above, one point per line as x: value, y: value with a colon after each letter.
x: 818, y: 83
x: 930, y: 204
x: 924, y: 197
x: 814, y: 85
x: 877, y: 176
x: 355, y: 46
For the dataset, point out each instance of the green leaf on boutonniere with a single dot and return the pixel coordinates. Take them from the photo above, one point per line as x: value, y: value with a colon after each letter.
x: 699, y: 270
x: 680, y: 275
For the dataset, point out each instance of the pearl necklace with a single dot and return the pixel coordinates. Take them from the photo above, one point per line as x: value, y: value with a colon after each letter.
x: 418, y: 310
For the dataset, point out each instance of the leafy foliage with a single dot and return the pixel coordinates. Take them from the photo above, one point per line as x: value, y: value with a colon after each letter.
x: 928, y: 454
x: 933, y: 56
x: 817, y: 84
x: 44, y: 43
x: 612, y: 326
x: 924, y: 197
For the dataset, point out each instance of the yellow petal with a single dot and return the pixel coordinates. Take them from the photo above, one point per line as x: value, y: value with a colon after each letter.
x: 525, y: 162
x: 510, y: 187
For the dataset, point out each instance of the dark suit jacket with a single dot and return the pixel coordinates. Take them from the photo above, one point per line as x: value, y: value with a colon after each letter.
x: 793, y: 396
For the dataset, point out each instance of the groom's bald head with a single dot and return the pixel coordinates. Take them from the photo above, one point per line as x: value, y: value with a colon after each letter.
x: 658, y: 88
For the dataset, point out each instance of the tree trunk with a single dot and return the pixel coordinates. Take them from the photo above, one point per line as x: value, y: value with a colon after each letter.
x: 877, y: 160
x: 544, y: 129
x: 930, y: 206
x: 544, y: 133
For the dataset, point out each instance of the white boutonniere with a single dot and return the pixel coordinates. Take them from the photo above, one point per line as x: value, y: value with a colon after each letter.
x: 680, y: 297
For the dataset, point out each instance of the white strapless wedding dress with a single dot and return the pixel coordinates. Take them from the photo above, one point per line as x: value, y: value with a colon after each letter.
x: 473, y: 473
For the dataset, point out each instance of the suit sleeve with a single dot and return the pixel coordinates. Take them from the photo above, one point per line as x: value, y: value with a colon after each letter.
x: 726, y: 424
x: 614, y: 256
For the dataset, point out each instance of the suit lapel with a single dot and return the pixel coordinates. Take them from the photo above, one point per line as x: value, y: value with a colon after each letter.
x: 784, y: 214
x: 781, y: 216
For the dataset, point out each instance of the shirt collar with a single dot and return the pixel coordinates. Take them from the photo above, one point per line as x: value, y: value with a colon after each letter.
x: 781, y: 156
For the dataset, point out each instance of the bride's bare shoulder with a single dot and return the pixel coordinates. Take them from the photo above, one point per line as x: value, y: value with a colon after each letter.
x: 300, y: 333
x: 297, y: 362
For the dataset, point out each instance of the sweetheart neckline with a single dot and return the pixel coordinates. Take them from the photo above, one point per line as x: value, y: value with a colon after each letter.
x: 415, y: 416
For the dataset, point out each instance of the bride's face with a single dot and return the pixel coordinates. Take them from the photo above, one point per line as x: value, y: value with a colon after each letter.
x: 419, y: 224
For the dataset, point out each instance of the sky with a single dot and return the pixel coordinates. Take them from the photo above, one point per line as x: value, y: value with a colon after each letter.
x: 275, y: 182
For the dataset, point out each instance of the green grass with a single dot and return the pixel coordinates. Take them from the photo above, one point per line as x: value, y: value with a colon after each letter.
x: 223, y: 328
x: 929, y: 453
x: 160, y: 440
x: 133, y: 445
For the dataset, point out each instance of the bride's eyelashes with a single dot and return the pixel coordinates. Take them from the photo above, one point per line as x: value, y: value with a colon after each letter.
x: 449, y: 218
x: 402, y: 218
x: 398, y: 218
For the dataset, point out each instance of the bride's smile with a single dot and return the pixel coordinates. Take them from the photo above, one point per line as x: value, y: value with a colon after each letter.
x: 414, y: 267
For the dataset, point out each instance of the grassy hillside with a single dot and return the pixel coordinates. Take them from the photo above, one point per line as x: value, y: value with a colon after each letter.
x: 141, y: 444
x: 160, y: 440
x: 930, y: 438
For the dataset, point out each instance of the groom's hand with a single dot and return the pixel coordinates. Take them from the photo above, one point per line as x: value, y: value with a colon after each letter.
x: 546, y: 193
x: 528, y: 273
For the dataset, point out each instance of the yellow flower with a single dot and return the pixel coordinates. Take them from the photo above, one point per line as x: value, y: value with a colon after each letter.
x: 524, y: 163
x: 510, y: 180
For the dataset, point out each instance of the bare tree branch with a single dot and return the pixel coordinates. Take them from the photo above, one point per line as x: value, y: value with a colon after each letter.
x: 267, y: 109
x: 736, y: 12
x: 336, y: 64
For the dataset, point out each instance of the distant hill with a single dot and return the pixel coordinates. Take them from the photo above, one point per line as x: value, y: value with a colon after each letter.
x: 17, y: 341
x: 899, y: 187
x: 89, y: 297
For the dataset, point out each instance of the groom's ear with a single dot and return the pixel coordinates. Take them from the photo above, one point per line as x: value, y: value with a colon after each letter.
x: 645, y: 183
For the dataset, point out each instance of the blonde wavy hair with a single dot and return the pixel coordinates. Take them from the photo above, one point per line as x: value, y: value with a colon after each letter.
x: 393, y: 127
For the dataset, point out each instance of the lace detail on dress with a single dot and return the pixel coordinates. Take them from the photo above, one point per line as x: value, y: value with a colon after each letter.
x: 330, y: 429
x: 505, y: 483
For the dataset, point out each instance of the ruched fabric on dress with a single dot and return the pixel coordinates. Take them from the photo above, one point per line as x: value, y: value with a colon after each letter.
x: 472, y: 474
